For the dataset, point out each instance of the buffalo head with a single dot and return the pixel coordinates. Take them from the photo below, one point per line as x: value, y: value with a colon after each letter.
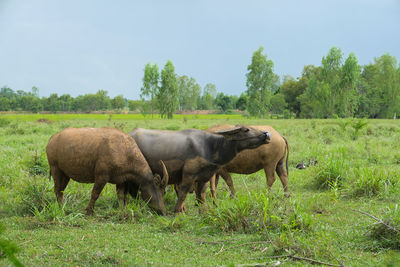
x: 154, y: 191
x: 245, y: 137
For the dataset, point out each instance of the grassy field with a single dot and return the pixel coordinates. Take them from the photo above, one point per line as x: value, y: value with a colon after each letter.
x: 358, y: 169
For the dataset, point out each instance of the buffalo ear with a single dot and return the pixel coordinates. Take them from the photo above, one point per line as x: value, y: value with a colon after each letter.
x: 229, y: 131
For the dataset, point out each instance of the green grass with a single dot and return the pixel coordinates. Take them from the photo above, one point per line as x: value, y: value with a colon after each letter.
x: 319, y: 221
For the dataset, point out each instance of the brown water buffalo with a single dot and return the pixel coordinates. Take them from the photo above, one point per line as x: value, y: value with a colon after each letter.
x: 193, y: 155
x: 100, y: 156
x: 269, y: 157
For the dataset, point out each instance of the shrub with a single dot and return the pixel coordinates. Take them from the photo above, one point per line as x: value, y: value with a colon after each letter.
x: 37, y: 164
x: 254, y: 212
x: 372, y: 182
x: 35, y: 195
x: 330, y: 173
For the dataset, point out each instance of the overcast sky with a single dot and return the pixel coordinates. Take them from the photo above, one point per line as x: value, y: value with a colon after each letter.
x: 79, y: 47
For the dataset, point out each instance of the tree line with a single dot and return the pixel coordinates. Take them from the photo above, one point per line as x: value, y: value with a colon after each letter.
x: 339, y: 87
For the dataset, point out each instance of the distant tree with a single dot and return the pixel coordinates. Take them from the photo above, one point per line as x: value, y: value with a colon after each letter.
x: 35, y: 91
x: 208, y: 97
x: 150, y: 86
x: 260, y: 81
x: 5, y: 103
x: 321, y: 98
x: 292, y: 89
x: 7, y: 92
x: 66, y: 102
x: 348, y: 97
x: 241, y: 103
x: 167, y: 97
x: 31, y: 103
x: 278, y: 103
x: 52, y: 103
x: 103, y: 100
x: 223, y: 102
x: 118, y: 102
x: 210, y: 89
x: 134, y: 105
x: 189, y: 93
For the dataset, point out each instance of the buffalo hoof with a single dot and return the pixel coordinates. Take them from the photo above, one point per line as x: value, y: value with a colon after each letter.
x: 287, y: 194
x: 181, y: 210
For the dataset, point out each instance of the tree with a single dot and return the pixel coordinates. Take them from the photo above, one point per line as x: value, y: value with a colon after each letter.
x: 189, y: 93
x: 348, y: 94
x: 260, y: 81
x: 278, y: 103
x: 210, y: 89
x: 52, y: 103
x: 241, y: 103
x: 208, y: 97
x: 134, y: 105
x: 66, y: 102
x: 5, y: 103
x: 31, y: 103
x: 150, y: 87
x: 292, y: 89
x: 118, y: 102
x: 223, y: 102
x: 167, y: 96
x: 322, y: 95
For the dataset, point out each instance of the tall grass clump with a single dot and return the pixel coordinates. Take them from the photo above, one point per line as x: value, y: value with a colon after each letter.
x: 330, y: 173
x: 255, y: 212
x: 54, y: 213
x: 357, y: 126
x: 386, y: 232
x: 370, y: 181
x: 37, y: 164
x: 34, y: 196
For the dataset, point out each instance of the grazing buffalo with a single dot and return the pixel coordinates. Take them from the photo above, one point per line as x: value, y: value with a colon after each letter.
x: 269, y: 157
x: 193, y: 155
x: 100, y: 156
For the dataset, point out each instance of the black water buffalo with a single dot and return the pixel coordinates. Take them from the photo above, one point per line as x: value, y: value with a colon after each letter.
x: 194, y: 155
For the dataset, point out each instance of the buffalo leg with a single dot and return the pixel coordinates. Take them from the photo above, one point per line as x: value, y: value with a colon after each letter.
x: 213, y: 187
x: 201, y: 188
x: 228, y: 180
x: 283, y: 176
x: 270, y: 175
x: 121, y: 192
x: 60, y: 183
x: 96, y: 191
x: 183, y: 190
x: 176, y: 188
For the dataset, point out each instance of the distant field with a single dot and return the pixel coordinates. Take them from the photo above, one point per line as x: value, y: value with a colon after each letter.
x: 62, y: 117
x: 358, y: 169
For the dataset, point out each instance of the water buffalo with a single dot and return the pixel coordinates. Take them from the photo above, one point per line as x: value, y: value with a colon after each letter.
x: 194, y: 155
x: 100, y: 156
x: 269, y: 157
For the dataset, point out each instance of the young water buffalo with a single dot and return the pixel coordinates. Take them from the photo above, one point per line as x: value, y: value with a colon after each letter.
x: 194, y: 155
x: 269, y: 157
x: 100, y: 156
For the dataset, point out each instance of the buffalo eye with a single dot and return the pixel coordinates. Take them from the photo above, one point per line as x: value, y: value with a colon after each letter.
x: 246, y: 130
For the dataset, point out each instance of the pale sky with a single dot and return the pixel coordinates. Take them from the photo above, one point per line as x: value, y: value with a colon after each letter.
x: 79, y: 47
